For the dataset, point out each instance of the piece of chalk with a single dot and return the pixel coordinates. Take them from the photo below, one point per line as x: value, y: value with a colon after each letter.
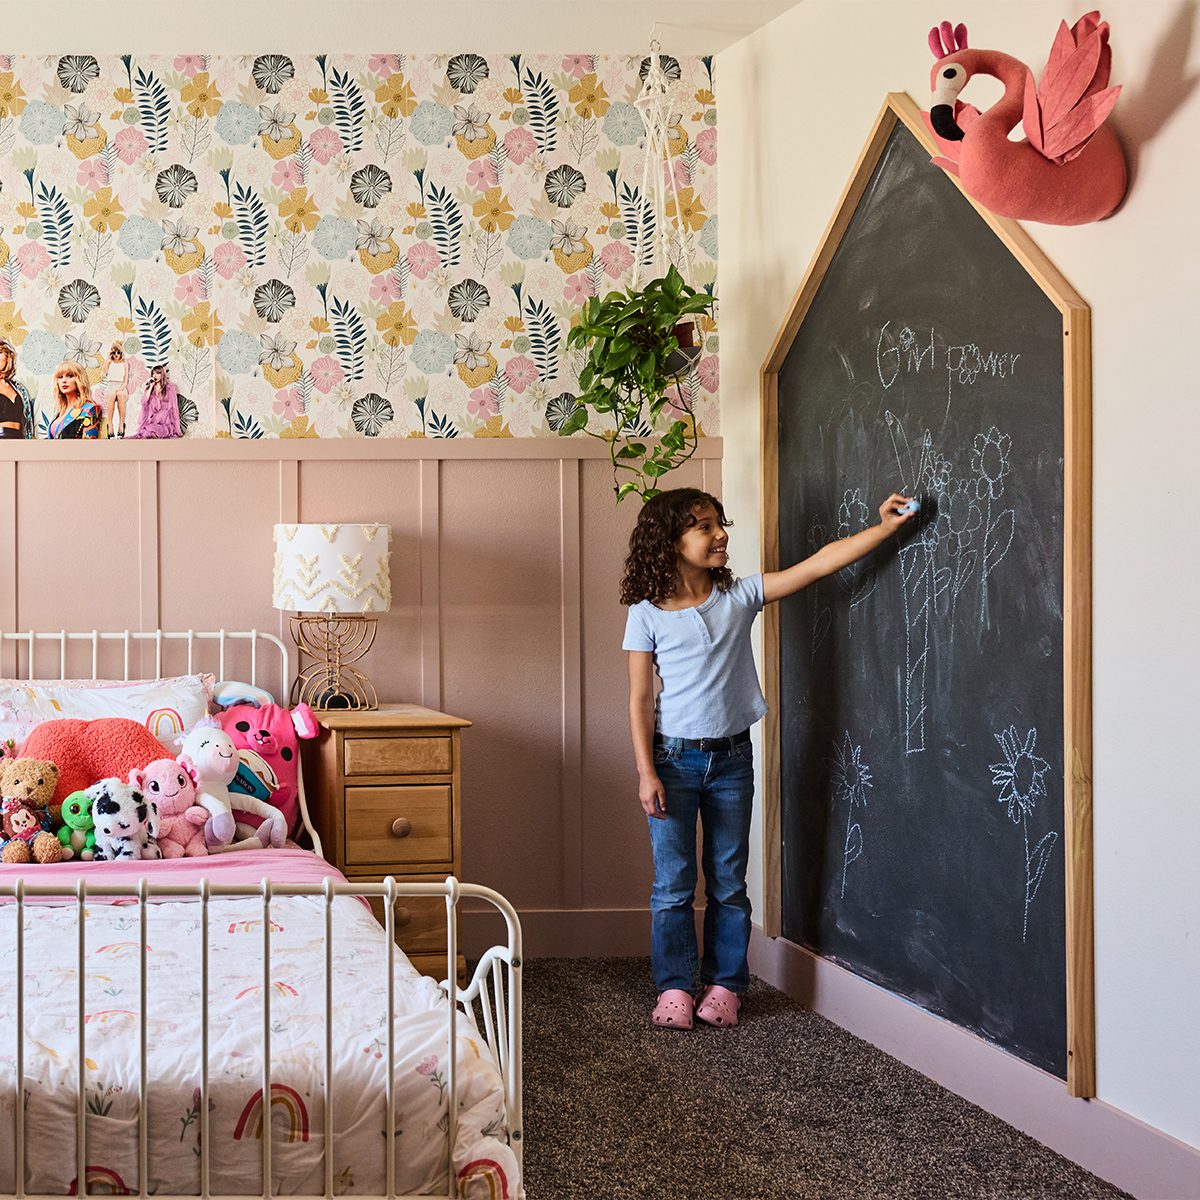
x: 911, y: 507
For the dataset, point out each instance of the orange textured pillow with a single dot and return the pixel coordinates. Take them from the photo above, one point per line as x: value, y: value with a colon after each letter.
x: 88, y: 751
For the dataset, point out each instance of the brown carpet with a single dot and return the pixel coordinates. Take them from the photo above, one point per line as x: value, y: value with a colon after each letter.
x: 786, y: 1105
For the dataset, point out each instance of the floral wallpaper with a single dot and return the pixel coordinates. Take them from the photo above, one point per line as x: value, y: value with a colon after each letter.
x: 337, y: 246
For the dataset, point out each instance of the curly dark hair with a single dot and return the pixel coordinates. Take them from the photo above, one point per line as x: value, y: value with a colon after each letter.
x: 651, y: 568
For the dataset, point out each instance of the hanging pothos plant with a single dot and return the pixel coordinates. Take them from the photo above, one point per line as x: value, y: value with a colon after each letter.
x: 633, y: 341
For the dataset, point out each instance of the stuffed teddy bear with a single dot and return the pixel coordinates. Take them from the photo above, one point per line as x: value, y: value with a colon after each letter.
x: 27, y: 787
x: 267, y: 740
x: 169, y: 788
x: 77, y: 837
x: 123, y: 819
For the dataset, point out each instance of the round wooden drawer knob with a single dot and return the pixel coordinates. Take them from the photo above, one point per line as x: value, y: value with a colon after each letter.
x: 401, y: 827
x: 403, y: 917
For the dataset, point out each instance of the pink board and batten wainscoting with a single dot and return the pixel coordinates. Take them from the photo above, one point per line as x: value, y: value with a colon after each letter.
x: 506, y: 556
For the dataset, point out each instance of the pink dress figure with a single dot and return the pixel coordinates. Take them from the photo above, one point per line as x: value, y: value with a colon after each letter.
x: 159, y: 417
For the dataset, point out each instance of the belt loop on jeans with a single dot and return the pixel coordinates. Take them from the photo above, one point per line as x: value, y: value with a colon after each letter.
x: 721, y: 745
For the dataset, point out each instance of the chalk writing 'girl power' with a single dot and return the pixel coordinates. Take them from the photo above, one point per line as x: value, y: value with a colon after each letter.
x: 903, y: 354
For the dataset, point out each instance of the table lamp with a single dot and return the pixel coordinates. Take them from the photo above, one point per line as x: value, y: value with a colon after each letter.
x: 335, y: 580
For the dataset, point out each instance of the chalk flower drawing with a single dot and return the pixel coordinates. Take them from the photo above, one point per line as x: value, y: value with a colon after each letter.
x: 859, y: 578
x: 965, y: 543
x: 989, y: 459
x: 851, y: 779
x: 1021, y: 778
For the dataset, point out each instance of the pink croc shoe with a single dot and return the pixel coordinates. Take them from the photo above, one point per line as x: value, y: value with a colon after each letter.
x: 719, y: 1006
x: 673, y: 1010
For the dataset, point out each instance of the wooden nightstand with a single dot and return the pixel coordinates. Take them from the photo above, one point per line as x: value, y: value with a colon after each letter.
x: 384, y: 796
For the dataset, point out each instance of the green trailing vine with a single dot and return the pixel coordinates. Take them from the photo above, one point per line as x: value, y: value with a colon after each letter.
x: 630, y: 338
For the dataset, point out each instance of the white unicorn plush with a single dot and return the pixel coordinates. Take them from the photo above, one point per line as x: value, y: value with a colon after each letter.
x: 208, y: 753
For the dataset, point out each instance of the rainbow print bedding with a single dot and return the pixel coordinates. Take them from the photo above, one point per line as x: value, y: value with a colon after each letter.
x: 295, y: 1115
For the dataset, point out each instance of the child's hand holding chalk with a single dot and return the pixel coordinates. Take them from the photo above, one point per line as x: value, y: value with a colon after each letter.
x: 898, y: 510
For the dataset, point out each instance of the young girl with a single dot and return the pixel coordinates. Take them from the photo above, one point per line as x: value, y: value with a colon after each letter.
x: 116, y: 383
x: 160, y: 406
x: 689, y: 621
x: 77, y: 415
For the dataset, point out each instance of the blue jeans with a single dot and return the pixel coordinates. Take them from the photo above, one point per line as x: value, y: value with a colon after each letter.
x: 719, y: 788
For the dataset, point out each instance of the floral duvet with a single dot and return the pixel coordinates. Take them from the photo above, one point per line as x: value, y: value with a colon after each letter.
x: 294, y: 1117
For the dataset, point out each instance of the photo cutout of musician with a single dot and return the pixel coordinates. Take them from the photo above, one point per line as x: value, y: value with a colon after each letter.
x: 159, y: 415
x: 116, y: 391
x: 76, y: 414
x: 16, y: 405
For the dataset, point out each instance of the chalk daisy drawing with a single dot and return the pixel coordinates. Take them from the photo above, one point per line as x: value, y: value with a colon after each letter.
x: 1021, y: 778
x: 851, y: 781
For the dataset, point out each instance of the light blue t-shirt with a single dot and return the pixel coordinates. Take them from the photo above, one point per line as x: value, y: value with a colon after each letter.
x: 703, y: 657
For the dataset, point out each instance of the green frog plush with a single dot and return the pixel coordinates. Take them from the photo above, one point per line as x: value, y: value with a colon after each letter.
x: 77, y: 835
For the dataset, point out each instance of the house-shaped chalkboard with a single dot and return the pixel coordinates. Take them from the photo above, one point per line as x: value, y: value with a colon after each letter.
x: 928, y: 796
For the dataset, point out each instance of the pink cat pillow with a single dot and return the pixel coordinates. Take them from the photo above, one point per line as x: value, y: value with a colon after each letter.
x: 268, y: 744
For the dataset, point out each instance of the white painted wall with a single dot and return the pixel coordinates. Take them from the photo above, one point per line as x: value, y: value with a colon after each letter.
x: 406, y: 26
x: 797, y: 100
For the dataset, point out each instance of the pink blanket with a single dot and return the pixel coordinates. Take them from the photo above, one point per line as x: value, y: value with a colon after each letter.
x: 244, y: 867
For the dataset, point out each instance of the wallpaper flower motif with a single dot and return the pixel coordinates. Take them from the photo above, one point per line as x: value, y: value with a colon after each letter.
x: 337, y: 246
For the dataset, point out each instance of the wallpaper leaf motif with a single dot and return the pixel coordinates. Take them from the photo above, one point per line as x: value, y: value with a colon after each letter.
x: 389, y: 136
x: 195, y: 137
x: 446, y: 218
x: 246, y: 426
x: 374, y: 245
x: 349, y: 108
x: 154, y: 331
x: 251, y: 216
x: 154, y: 109
x: 639, y: 213
x: 350, y: 334
x: 55, y: 214
x: 96, y: 250
x: 543, y: 338
x: 542, y: 104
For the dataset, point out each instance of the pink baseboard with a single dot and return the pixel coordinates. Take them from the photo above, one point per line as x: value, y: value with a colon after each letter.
x: 565, y: 932
x: 1108, y: 1142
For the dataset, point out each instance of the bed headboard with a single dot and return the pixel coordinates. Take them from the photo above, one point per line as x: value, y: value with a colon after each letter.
x: 259, y: 658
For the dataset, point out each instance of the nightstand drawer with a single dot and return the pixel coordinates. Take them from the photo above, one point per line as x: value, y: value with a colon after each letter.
x: 398, y: 825
x: 420, y: 921
x: 397, y: 756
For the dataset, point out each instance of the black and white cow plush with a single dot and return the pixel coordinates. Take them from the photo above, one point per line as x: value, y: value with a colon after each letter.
x: 124, y: 822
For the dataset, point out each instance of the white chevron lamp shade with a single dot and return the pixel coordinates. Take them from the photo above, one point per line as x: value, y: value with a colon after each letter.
x: 333, y: 568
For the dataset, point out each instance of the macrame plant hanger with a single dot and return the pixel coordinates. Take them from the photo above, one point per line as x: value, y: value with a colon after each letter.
x: 670, y: 239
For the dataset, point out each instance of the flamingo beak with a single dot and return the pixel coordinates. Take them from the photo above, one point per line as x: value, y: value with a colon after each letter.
x: 941, y: 117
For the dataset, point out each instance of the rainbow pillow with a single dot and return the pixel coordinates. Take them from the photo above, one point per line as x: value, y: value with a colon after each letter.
x: 166, y: 707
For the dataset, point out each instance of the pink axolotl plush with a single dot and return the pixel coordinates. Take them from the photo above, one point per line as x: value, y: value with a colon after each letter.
x: 169, y: 787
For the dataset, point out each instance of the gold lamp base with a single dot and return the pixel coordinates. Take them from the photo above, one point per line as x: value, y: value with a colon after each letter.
x: 333, y: 641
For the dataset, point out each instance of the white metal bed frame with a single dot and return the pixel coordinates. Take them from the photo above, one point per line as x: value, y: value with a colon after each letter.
x: 491, y: 1003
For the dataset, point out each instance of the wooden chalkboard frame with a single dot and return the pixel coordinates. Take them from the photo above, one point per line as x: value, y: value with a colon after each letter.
x: 1077, y: 568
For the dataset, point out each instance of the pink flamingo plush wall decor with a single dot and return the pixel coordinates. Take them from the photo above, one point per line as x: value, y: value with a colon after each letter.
x: 1070, y: 169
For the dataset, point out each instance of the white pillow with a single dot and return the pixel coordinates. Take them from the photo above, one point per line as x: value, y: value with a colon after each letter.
x: 167, y: 707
